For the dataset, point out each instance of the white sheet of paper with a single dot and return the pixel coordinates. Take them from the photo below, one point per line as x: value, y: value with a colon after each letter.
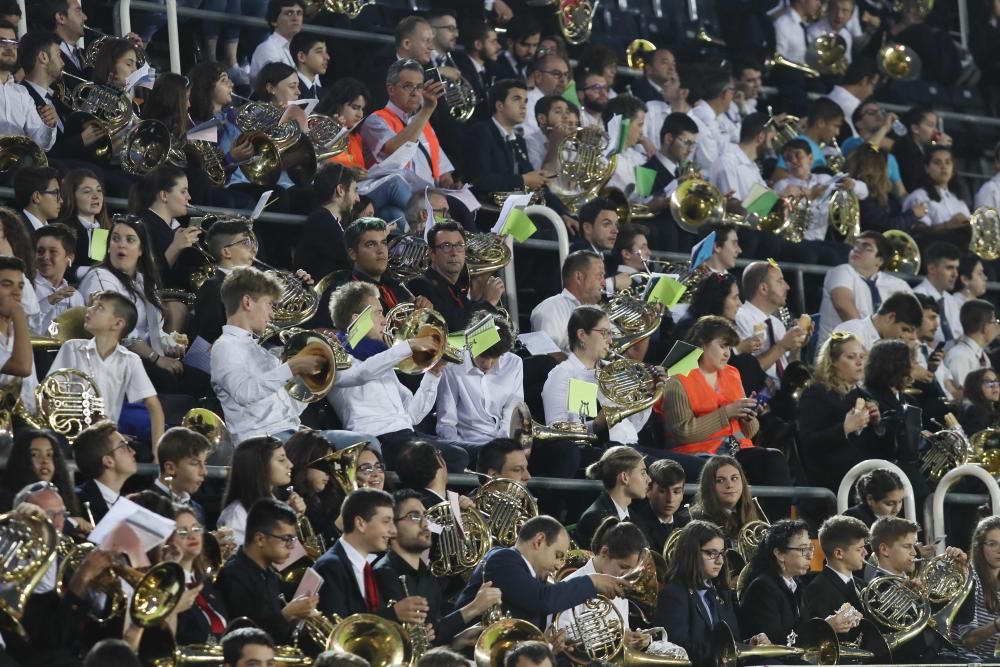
x: 297, y: 553
x: 456, y: 512
x: 614, y: 133
x: 261, y: 203
x: 310, y: 584
x: 142, y: 73
x: 465, y: 196
x: 538, y: 342
x: 207, y: 131
x: 395, y: 162
x: 150, y: 528
x: 512, y: 202
x: 199, y: 355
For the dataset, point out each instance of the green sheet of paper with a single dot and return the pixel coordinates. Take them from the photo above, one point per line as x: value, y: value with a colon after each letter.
x: 457, y: 339
x: 685, y: 365
x: 644, y: 179
x: 518, y: 225
x: 762, y: 205
x: 666, y: 291
x: 483, y: 340
x: 570, y: 94
x: 360, y: 327
x: 98, y: 244
x: 582, y: 398
x: 621, y: 134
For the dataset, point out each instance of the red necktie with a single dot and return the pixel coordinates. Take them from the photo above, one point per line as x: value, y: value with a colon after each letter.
x: 216, y: 622
x: 371, y: 589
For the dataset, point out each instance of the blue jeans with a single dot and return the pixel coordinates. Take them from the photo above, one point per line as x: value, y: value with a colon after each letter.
x: 390, y: 200
x: 339, y: 439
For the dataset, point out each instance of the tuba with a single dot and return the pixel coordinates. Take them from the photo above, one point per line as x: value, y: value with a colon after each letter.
x: 28, y: 549
x: 457, y: 550
x: 905, y: 257
x: 458, y: 95
x: 899, y: 62
x: 312, y: 388
x: 404, y: 322
x: 500, y: 637
x: 18, y: 151
x: 150, y: 144
x: 584, y: 164
x: 378, y: 640
x: 985, y: 224
x: 635, y: 319
x: 68, y: 401
x: 505, y: 505
x: 631, y: 385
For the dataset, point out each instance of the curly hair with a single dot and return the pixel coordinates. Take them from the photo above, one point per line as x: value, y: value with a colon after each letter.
x: 825, y: 372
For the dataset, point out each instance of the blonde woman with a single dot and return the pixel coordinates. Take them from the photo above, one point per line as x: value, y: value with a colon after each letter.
x: 841, y: 422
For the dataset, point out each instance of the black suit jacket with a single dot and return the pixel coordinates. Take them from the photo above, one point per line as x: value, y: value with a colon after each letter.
x: 681, y: 611
x: 768, y: 606
x: 209, y: 313
x: 89, y: 493
x: 827, y: 592
x: 862, y: 512
x: 81, y: 256
x: 193, y: 626
x: 525, y: 596
x: 249, y: 591
x: 340, y: 593
x: 388, y: 570
x: 321, y: 249
x: 67, y: 145
x: 480, y: 83
x: 911, y: 160
x: 452, y: 301
x: 502, y: 69
x: 644, y: 90
x: 372, y: 73
x: 663, y: 175
x: 655, y: 530
x: 490, y: 162
x: 592, y: 517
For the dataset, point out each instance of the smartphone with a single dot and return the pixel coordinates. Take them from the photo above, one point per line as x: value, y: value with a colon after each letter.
x: 938, y: 347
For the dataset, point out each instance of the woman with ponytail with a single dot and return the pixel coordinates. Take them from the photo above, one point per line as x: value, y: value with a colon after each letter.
x: 879, y: 494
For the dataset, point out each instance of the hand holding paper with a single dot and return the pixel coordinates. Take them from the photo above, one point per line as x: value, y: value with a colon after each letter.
x: 582, y: 398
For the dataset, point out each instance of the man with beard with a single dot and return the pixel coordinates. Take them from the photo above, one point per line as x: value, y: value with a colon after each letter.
x: 592, y: 90
x: 524, y: 34
x: 19, y: 115
x: 402, y: 563
x: 480, y: 55
x: 321, y: 249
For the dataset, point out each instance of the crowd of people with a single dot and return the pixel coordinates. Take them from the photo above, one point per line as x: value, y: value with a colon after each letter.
x: 326, y: 384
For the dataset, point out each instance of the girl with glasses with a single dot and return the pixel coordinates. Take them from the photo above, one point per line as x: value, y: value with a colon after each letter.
x: 980, y: 401
x: 371, y: 470
x: 698, y: 595
x: 976, y: 630
x: 775, y: 595
x: 206, y: 619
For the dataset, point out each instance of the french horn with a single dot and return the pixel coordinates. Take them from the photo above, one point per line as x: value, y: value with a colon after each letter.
x: 595, y: 633
x: 211, y: 158
x: 327, y: 136
x: 454, y: 552
x: 828, y: 54
x: 404, y: 322
x: 409, y: 256
x: 631, y: 386
x: 28, y: 549
x: 899, y: 62
x: 696, y: 203
x: 576, y: 19
x: 946, y: 449
x: 985, y: 226
x: 505, y: 505
x: 378, y: 640
x: 485, y: 253
x: 778, y: 60
x: 297, y: 155
x: 637, y: 52
x: 584, y: 166
x: 312, y: 388
x: 634, y: 319
x: 349, y: 8
x: 343, y: 464
x: 17, y: 151
x: 500, y: 637
x: 459, y: 95
x: 150, y: 144
x: 67, y: 401
x: 102, y: 106
x: 95, y: 47
x: 905, y: 258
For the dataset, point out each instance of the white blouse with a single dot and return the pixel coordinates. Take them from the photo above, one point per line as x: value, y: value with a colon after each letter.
x: 149, y: 325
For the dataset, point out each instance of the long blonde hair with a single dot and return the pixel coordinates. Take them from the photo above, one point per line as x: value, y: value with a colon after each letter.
x: 824, y: 371
x: 870, y: 165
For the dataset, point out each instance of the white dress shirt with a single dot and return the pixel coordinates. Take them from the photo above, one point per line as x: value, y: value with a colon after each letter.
x: 989, y: 193
x: 624, y: 173
x: 950, y: 310
x: 476, y: 407
x: 656, y: 112
x: 847, y: 277
x: 712, y: 135
x: 249, y: 382
x: 964, y: 357
x: 845, y: 100
x: 530, y: 123
x: 358, y: 562
x: 29, y: 382
x: 938, y: 212
x: 819, y: 210
x: 373, y: 400
x: 538, y: 146
x: 863, y: 328
x: 674, y: 169
x: 620, y: 603
x: 234, y: 516
x: 747, y: 317
x: 315, y: 84
x: 555, y: 398
x: 49, y: 311
x: 18, y: 115
x: 274, y: 49
x: 735, y: 172
x: 375, y: 132
x: 36, y: 224
x: 790, y: 36
x: 149, y: 324
x: 119, y: 375
x: 552, y: 317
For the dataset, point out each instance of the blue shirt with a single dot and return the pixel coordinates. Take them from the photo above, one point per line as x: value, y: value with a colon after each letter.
x: 819, y: 160
x: 893, y: 165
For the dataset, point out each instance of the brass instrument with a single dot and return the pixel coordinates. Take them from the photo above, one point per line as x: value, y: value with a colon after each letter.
x: 28, y: 549
x: 844, y: 214
x: 634, y: 319
x: 893, y: 605
x: 690, y: 278
x: 573, y: 560
x: 916, y: 9
x: 596, y: 633
x: 576, y: 18
x: 828, y: 54
x: 343, y: 464
x: 778, y: 60
x: 985, y: 224
x: 150, y: 144
x: 505, y: 505
x: 785, y: 129
x: 416, y: 633
x: 986, y: 449
x: 696, y: 203
x: 409, y: 256
x: 327, y: 136
x: 526, y: 430
x: 728, y: 654
x: 637, y: 52
x: 310, y: 540
x: 789, y: 218
x: 750, y: 537
x: 485, y: 253
x: 500, y: 637
x: 537, y: 197
x: 349, y: 8
x: 627, y: 211
x: 195, y: 655
x: 905, y: 257
x: 404, y: 322
x: 17, y: 151
x: 379, y: 641
x: 294, y: 148
x: 95, y: 47
x: 66, y: 325
x: 67, y: 401
x: 106, y: 107
x: 585, y: 166
x: 458, y: 95
x: 209, y: 424
x: 298, y: 302
x: 211, y: 158
x: 645, y: 580
x: 946, y: 449
x: 455, y: 551
x: 670, y: 546
x: 899, y: 62
x: 312, y: 388
x: 631, y: 386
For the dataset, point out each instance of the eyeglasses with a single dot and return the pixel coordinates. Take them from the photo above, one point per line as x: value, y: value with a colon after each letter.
x: 864, y: 247
x: 38, y: 487
x: 410, y: 87
x: 686, y: 143
x: 558, y: 74
x: 991, y: 383
x: 289, y: 540
x: 415, y: 517
x: 57, y: 193
x: 124, y: 442
x: 8, y: 43
x: 247, y: 242
x: 369, y: 468
x: 713, y: 554
x: 193, y: 530
x: 803, y: 550
x: 448, y: 247
x: 596, y: 87
x: 607, y: 333
x: 449, y: 28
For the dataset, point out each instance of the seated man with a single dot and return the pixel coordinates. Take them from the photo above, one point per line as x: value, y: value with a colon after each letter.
x: 321, y: 249
x: 504, y: 458
x: 598, y: 229
x: 980, y: 327
x: 37, y: 196
x: 16, y: 360
x: 249, y: 584
x: 401, y: 572
x: 311, y: 60
x: 476, y: 398
x: 418, y: 213
x: 106, y: 461
x: 372, y: 398
x: 285, y: 17
x: 662, y: 513
x: 522, y: 574
x: 420, y: 468
x: 55, y: 247
x: 631, y: 150
x: 182, y: 455
x: 232, y: 245
x: 552, y: 125
x: 899, y: 317
x: 842, y: 539
x: 247, y: 647
x: 629, y: 255
x: 19, y: 115
x: 583, y: 282
x: 942, y: 260
x: 248, y: 380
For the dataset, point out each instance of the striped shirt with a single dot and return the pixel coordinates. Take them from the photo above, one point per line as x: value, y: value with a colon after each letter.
x: 981, y: 616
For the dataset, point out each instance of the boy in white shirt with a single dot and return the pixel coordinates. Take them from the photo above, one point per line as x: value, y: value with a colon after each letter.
x: 116, y: 371
x: 16, y: 361
x: 55, y: 247
x: 989, y: 192
x: 980, y: 327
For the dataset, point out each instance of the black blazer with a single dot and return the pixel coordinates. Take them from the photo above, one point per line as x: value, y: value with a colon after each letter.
x: 862, y: 512
x: 193, y: 627
x: 911, y: 160
x: 502, y: 69
x: 644, y: 90
x: 249, y: 590
x: 592, y: 517
x: 388, y: 570
x: 655, y: 530
x: 68, y: 146
x: 525, y: 596
x: 490, y: 162
x: 89, y: 493
x: 81, y: 255
x: 340, y: 593
x: 480, y: 83
x: 768, y: 606
x: 209, y: 313
x: 827, y: 592
x: 827, y: 454
x: 974, y: 417
x: 681, y: 611
x: 663, y: 175
x: 321, y: 249
x: 452, y: 301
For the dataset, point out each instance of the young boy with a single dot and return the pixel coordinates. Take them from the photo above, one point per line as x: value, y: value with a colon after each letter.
x: 842, y: 539
x: 980, y: 327
x: 183, y: 454
x: 116, y: 371
x: 662, y: 514
x: 16, y: 361
x: 55, y: 248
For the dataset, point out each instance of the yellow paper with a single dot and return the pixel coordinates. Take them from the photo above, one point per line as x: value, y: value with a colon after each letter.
x: 483, y: 340
x: 582, y: 398
x: 518, y: 225
x: 685, y: 365
x: 98, y: 244
x: 666, y: 291
x: 457, y: 339
x: 360, y: 327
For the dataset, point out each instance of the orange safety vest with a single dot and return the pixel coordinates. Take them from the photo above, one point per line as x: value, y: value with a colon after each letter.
x: 705, y: 400
x: 396, y: 124
x: 354, y: 155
